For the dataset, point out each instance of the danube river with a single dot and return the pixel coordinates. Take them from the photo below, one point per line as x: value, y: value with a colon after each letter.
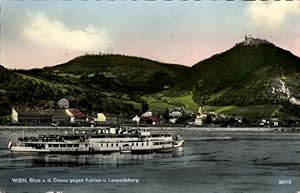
x: 211, y: 162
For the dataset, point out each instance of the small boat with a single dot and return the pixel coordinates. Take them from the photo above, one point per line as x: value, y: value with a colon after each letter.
x: 123, y: 140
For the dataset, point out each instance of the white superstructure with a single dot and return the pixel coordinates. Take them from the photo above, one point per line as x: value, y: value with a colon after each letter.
x: 101, y: 141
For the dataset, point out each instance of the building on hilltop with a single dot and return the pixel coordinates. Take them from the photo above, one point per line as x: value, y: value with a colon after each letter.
x: 252, y: 41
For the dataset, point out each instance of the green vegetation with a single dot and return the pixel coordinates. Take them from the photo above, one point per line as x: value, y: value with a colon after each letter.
x: 118, y: 73
x: 157, y: 105
x: 241, y: 75
x: 186, y: 101
x: 252, y: 113
x: 236, y: 82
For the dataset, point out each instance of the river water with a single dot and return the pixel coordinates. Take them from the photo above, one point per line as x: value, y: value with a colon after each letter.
x: 211, y: 162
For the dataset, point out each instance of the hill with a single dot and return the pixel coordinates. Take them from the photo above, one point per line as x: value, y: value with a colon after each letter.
x: 253, y: 72
x: 111, y: 83
x: 119, y: 73
x: 254, y: 79
x: 6, y: 77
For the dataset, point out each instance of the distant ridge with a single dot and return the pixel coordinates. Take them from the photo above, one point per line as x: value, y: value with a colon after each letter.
x: 243, y: 74
x: 254, y: 72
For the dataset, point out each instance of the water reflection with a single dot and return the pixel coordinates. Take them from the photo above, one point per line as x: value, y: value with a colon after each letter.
x: 104, y: 160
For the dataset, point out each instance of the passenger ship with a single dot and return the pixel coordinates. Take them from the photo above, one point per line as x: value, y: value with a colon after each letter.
x: 124, y: 140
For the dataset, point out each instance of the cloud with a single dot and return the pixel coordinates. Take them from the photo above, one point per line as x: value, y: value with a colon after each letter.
x: 50, y: 33
x: 272, y: 15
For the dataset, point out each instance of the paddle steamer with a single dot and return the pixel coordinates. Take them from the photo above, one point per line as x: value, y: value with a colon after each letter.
x: 124, y: 140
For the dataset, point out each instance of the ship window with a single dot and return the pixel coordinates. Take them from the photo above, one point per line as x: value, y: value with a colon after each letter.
x: 86, y: 145
x: 147, y: 144
x: 132, y: 144
x: 112, y: 144
x: 63, y: 145
x: 69, y: 145
x: 76, y: 145
x: 137, y: 144
x: 49, y: 145
x: 101, y: 144
x: 142, y: 144
x: 117, y: 144
x: 55, y: 145
x: 107, y: 145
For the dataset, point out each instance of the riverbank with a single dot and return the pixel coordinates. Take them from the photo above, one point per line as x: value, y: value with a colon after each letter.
x: 206, y: 129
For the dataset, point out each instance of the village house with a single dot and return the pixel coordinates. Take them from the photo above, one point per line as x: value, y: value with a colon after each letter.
x: 28, y: 116
x: 136, y: 119
x: 106, y: 119
x: 61, y: 117
x: 76, y: 116
x: 180, y: 114
x: 273, y: 122
x: 150, y: 118
x: 63, y: 103
x: 200, y: 117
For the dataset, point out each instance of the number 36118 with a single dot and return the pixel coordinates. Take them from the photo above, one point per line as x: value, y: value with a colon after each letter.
x: 284, y: 182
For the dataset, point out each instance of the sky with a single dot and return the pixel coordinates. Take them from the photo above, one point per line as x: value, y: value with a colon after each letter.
x: 40, y: 33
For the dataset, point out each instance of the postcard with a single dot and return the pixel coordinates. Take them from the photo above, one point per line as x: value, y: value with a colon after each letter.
x: 149, y: 96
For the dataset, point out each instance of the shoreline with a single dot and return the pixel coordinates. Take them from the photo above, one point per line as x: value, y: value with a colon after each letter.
x: 206, y: 129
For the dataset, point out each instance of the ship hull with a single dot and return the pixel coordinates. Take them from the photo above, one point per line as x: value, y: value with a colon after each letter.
x: 89, y: 150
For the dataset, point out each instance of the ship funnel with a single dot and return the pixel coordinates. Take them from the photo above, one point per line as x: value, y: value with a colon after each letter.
x: 9, y: 145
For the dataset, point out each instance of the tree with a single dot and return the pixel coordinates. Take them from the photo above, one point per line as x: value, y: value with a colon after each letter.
x: 166, y: 114
x: 209, y: 119
x: 145, y: 107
